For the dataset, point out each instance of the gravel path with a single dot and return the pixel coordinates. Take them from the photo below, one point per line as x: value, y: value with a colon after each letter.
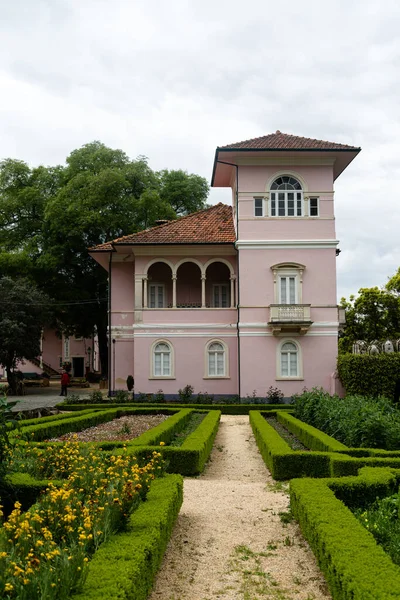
x: 229, y: 542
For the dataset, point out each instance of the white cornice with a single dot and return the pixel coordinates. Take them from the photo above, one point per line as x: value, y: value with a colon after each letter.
x: 292, y: 161
x: 278, y: 244
x: 185, y: 250
x: 179, y: 326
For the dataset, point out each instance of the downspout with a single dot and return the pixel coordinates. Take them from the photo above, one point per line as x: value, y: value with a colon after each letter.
x: 238, y: 277
x: 109, y: 325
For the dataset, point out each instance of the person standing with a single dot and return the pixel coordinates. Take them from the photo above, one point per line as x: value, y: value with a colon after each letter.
x: 64, y: 383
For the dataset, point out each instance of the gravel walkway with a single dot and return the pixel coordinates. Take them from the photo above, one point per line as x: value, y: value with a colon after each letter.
x: 229, y: 542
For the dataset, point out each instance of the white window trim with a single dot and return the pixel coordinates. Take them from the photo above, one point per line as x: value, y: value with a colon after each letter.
x: 286, y: 216
x: 279, y: 376
x: 226, y: 360
x: 288, y: 270
x: 309, y: 207
x: 172, y: 360
x: 228, y: 294
x: 262, y: 207
x: 149, y: 285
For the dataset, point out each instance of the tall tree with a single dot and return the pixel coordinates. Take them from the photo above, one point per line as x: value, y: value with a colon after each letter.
x: 184, y: 192
x: 24, y: 311
x: 50, y: 216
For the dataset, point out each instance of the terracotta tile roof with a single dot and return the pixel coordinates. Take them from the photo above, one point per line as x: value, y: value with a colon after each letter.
x: 284, y: 141
x: 209, y: 226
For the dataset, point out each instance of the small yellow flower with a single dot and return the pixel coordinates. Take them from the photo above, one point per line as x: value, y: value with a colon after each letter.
x: 162, y: 443
x: 8, y: 587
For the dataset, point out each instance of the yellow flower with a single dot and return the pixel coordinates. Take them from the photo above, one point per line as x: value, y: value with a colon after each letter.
x: 162, y: 443
x: 8, y: 587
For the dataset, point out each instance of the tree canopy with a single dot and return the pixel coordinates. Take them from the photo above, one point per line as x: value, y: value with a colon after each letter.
x: 50, y: 216
x: 24, y: 311
x: 374, y: 315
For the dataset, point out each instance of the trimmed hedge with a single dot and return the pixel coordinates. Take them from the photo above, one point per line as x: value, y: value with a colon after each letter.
x: 45, y: 430
x: 187, y: 459
x: 310, y: 436
x: 369, y: 375
x: 191, y: 457
x: 355, y: 567
x: 126, y: 565
x: 226, y: 409
x: 282, y: 461
x: 285, y: 463
x: 23, y: 488
x: 21, y: 423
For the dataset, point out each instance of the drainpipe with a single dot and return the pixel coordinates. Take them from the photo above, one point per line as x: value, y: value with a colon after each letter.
x: 238, y: 278
x: 109, y: 325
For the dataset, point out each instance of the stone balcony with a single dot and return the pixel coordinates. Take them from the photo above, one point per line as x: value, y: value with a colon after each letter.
x: 290, y: 318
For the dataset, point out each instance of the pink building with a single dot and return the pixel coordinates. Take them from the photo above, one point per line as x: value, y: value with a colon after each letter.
x: 81, y: 352
x: 233, y: 300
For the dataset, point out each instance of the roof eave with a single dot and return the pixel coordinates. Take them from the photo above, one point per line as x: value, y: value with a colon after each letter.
x: 349, y: 150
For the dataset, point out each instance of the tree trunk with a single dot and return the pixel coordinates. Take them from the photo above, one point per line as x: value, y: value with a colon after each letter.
x: 12, y: 380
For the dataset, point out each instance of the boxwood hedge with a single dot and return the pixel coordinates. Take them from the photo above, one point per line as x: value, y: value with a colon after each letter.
x: 355, y: 567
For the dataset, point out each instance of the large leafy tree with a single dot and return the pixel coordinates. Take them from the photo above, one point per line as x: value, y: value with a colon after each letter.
x: 373, y: 315
x: 24, y: 311
x: 49, y: 217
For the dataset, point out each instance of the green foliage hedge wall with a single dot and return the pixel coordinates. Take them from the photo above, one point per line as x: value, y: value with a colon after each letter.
x: 369, y: 375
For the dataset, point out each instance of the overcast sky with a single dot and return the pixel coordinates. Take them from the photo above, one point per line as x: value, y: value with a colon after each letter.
x: 173, y: 80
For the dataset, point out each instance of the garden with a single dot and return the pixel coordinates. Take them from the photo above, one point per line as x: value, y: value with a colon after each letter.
x: 65, y: 523
x: 89, y: 492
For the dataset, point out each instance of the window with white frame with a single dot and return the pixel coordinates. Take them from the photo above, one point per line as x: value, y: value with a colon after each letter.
x: 216, y: 358
x: 162, y: 360
x: 288, y: 283
x: 258, y: 207
x: 314, y: 207
x: 286, y: 197
x: 287, y: 289
x: 221, y: 295
x: 289, y: 360
x: 156, y: 295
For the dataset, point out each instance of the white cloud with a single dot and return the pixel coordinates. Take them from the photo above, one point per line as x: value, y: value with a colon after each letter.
x: 174, y: 80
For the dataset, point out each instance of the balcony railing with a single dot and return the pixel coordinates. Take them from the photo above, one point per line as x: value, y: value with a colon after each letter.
x: 290, y: 317
x: 290, y: 312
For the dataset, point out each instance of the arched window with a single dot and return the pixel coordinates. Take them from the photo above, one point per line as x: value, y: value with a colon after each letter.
x: 289, y: 360
x: 286, y: 197
x: 162, y: 363
x: 216, y: 360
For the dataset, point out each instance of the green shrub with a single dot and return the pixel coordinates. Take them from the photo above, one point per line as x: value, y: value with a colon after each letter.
x: 369, y: 375
x: 357, y: 421
x: 186, y: 393
x: 95, y: 397
x: 121, y: 397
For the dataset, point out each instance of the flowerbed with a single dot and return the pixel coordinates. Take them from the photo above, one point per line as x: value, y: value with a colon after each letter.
x: 44, y: 552
x: 187, y: 459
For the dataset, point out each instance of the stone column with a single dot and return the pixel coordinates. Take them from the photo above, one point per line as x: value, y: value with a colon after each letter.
x: 174, y: 278
x: 145, y: 292
x: 232, y: 279
x: 203, y: 291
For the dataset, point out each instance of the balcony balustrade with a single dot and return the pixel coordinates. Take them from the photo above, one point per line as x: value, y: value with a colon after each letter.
x: 290, y: 317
